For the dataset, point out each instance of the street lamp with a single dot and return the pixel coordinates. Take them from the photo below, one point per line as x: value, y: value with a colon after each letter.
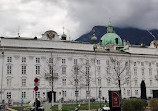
x: 2, y: 74
x: 100, y: 97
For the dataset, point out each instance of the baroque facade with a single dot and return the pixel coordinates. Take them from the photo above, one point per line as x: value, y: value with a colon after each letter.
x: 77, y: 68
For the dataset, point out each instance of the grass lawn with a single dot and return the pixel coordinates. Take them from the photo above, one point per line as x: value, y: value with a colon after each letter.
x: 19, y: 108
x: 69, y: 107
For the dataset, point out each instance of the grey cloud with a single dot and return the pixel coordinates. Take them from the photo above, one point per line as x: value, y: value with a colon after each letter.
x: 77, y: 16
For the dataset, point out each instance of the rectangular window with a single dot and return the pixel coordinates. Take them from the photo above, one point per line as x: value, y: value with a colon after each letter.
x: 136, y: 82
x: 76, y: 82
x: 151, y: 82
x: 64, y: 82
x: 23, y: 82
x: 135, y: 63
x: 149, y: 64
x: 99, y: 82
x: 76, y: 93
x: 108, y: 70
x: 98, y: 62
x: 23, y: 94
x: 87, y: 62
x: 50, y: 60
x: 38, y: 94
x: 9, y: 59
x: 127, y: 82
x: 9, y: 95
x: 50, y: 81
x: 142, y: 63
x: 64, y: 93
x: 9, y: 69
x: 75, y: 61
x: 63, y: 61
x: 9, y: 82
x: 23, y: 59
x: 87, y: 70
x: 128, y: 92
x: 108, y: 81
x: 98, y: 69
x: 50, y: 69
x: 107, y: 62
x: 136, y: 92
x: 23, y: 68
x: 37, y: 69
x: 142, y: 71
x: 37, y: 60
x: 127, y: 70
x: 150, y: 71
x: 135, y: 71
x: 63, y: 70
x: 76, y: 70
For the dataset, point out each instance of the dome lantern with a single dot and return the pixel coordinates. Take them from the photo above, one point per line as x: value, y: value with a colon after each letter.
x: 110, y: 27
x: 63, y: 36
x: 94, y: 38
x: 110, y: 38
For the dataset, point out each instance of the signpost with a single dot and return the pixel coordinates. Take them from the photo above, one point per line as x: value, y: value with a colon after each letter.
x: 36, y: 84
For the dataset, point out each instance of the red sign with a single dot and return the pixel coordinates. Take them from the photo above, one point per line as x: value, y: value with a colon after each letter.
x: 36, y: 88
x: 115, y: 100
x: 36, y: 80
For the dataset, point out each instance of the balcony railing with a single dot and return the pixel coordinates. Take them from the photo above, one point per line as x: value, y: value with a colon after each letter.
x: 48, y: 75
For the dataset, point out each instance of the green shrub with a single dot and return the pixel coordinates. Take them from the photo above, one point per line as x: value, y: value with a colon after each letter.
x: 154, y: 104
x: 133, y: 105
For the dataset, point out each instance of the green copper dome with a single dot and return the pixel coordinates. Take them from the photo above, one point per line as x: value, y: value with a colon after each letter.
x: 111, y: 39
x: 94, y: 38
x: 63, y: 35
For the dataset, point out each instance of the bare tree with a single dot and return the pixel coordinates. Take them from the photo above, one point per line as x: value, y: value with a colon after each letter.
x: 82, y: 76
x: 116, y: 71
x: 76, y: 78
x: 50, y: 70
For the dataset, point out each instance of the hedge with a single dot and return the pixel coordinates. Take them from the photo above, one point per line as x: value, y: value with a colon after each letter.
x: 133, y: 105
x: 154, y: 104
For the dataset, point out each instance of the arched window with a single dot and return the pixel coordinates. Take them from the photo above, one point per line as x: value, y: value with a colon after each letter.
x: 116, y: 40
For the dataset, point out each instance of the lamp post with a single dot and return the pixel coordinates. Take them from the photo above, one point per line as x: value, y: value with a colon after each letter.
x: 2, y: 73
x: 52, y: 77
x: 100, y: 97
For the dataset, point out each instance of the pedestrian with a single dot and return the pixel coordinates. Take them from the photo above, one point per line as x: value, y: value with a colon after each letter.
x: 37, y: 104
x: 22, y: 102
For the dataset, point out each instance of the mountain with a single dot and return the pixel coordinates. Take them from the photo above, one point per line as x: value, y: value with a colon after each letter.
x: 134, y: 35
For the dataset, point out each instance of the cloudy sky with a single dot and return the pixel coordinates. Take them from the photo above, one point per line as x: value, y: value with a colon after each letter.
x: 33, y: 17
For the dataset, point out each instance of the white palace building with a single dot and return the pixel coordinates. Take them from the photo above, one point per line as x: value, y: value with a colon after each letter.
x: 76, y: 68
